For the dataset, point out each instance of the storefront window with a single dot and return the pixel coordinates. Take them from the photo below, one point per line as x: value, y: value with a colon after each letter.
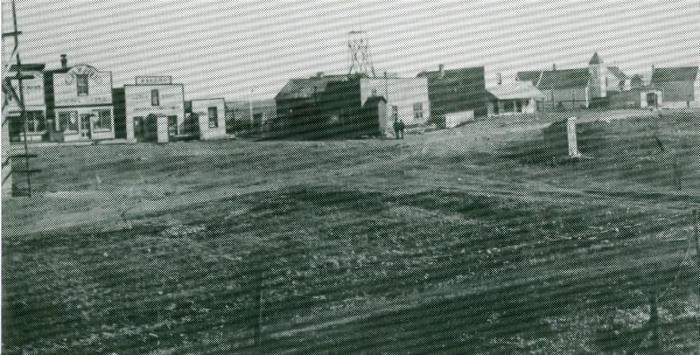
x: 68, y: 121
x: 104, y: 120
x: 213, y: 117
x: 35, y: 121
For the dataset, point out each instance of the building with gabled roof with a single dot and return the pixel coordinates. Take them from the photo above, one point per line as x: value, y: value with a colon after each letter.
x: 297, y: 101
x: 570, y: 88
x: 680, y: 85
x: 617, y: 80
x: 513, y: 98
x: 533, y: 76
x: 456, y: 90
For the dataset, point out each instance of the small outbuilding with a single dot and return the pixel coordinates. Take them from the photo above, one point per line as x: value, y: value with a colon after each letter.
x: 209, y: 117
x: 680, y: 86
x: 513, y: 98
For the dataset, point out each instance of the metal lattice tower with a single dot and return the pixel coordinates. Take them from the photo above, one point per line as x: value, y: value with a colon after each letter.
x: 360, y: 55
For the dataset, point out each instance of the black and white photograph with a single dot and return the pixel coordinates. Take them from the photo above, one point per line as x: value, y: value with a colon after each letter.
x: 350, y: 177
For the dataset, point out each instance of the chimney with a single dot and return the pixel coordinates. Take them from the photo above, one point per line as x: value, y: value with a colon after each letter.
x: 64, y: 61
x: 441, y: 70
x: 554, y: 67
x: 500, y: 79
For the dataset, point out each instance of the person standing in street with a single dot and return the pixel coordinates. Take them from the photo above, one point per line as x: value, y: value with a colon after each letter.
x: 397, y: 129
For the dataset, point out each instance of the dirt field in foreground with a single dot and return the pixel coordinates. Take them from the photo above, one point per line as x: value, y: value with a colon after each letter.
x: 478, y: 239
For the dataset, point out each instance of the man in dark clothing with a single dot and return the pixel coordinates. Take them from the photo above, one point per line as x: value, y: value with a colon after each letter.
x: 402, y: 127
x: 397, y: 129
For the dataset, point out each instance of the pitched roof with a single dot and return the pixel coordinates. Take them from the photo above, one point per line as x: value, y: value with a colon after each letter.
x: 529, y: 75
x: 661, y: 75
x: 595, y: 59
x: 564, y: 79
x: 28, y: 67
x: 306, y: 88
x: 472, y: 73
x: 617, y: 72
x: 515, y: 90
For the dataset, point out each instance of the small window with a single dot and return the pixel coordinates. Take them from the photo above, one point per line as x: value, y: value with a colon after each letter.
x: 104, y: 120
x: 35, y: 121
x: 82, y: 83
x: 155, y: 98
x: 418, y: 111
x: 213, y: 117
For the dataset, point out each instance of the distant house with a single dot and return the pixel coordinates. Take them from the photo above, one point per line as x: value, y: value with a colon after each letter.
x: 636, y: 81
x: 209, y: 115
x: 351, y: 107
x: 297, y: 103
x: 456, y: 91
x: 570, y: 88
x: 532, y: 76
x: 79, y: 102
x: 637, y: 97
x: 33, y: 91
x: 617, y: 80
x: 566, y: 89
x: 513, y: 98
x: 680, y: 86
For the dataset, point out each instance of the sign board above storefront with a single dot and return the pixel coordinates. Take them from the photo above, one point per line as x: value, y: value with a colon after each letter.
x: 151, y: 80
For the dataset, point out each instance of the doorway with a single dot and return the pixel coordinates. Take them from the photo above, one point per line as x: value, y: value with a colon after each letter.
x: 172, y: 126
x: 85, y: 126
x: 652, y: 99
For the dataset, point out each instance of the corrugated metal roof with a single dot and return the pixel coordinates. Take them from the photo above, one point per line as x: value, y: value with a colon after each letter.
x: 564, y: 79
x: 516, y: 90
x: 662, y: 75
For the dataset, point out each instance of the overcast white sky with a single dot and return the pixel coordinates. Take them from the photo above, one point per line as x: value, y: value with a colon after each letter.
x: 226, y: 48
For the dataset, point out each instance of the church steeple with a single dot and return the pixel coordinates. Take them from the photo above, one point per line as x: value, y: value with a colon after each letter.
x: 599, y: 76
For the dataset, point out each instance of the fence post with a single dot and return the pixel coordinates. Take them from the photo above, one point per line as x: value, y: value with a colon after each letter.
x: 697, y: 252
x: 258, y: 308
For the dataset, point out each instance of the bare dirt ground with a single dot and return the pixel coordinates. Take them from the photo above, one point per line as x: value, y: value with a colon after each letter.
x: 476, y: 239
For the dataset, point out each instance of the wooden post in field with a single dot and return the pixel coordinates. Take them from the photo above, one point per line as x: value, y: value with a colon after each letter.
x: 258, y: 308
x: 571, y: 137
x: 654, y: 321
x: 697, y: 252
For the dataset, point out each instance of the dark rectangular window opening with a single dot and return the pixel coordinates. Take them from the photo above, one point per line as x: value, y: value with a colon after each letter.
x: 155, y: 98
x: 213, y: 117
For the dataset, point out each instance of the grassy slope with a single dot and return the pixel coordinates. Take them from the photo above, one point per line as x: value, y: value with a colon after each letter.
x: 465, y: 240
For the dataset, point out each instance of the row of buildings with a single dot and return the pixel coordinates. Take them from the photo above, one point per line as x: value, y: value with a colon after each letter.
x: 74, y: 103
x: 79, y: 102
x: 358, y: 105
